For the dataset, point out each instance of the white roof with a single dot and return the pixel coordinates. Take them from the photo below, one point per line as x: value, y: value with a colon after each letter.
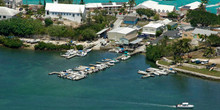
x: 204, y: 32
x: 99, y: 5
x: 68, y: 8
x: 155, y: 6
x: 122, y: 30
x: 151, y: 33
x: 154, y: 25
x: 94, y: 5
x: 8, y: 11
x: 193, y: 5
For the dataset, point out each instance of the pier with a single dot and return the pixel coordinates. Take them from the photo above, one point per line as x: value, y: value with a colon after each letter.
x: 81, y: 72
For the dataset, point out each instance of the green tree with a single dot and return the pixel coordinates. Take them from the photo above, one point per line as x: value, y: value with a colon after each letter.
x: 209, y: 52
x: 2, y: 3
x: 131, y: 3
x: 48, y: 22
x: 156, y: 17
x: 147, y: 12
x: 179, y: 48
x: 11, y: 42
x: 88, y: 34
x: 79, y: 47
x: 172, y: 15
x: 82, y: 2
x: 214, y: 40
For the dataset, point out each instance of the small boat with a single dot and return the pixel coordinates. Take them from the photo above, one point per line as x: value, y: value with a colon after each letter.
x: 125, y: 58
x: 142, y: 72
x: 185, y: 105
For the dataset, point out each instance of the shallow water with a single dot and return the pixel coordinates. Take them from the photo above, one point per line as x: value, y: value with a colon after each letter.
x: 176, y: 3
x: 26, y: 85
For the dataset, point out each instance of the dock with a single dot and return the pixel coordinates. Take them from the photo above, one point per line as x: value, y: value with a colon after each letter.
x: 81, y: 72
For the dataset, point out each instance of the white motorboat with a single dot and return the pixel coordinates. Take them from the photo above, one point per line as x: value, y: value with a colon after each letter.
x: 185, y: 105
x: 142, y: 72
x: 125, y: 58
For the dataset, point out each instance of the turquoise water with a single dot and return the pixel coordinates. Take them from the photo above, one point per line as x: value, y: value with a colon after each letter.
x: 176, y: 3
x: 26, y: 85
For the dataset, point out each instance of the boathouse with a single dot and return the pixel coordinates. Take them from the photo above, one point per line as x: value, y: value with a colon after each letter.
x: 122, y: 34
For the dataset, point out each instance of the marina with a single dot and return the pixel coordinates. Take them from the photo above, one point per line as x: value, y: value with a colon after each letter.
x: 73, y: 53
x: 81, y: 72
x: 115, y: 87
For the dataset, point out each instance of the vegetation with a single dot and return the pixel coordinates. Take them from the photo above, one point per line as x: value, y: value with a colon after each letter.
x: 66, y: 1
x: 50, y: 46
x: 79, y: 47
x: 172, y: 15
x: 21, y: 27
x: 48, y: 22
x: 158, y: 33
x: 214, y: 40
x: 82, y: 2
x: 176, y: 49
x: 202, y: 18
x: 156, y: 17
x: 25, y: 27
x: 203, y: 71
x: 2, y: 3
x: 131, y: 3
x: 148, y: 12
x: 209, y: 52
x: 11, y: 42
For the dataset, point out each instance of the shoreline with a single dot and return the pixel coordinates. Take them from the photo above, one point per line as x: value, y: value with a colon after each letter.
x: 200, y: 75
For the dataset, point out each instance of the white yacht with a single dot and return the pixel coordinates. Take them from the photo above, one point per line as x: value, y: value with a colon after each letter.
x: 185, y: 105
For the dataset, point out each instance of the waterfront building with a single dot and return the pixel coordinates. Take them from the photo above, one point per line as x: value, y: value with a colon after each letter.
x: 73, y: 12
x: 218, y: 11
x: 159, y: 8
x: 194, y: 35
x: 6, y: 13
x: 13, y: 3
x: 132, y: 20
x: 191, y: 6
x: 154, y: 26
x: 123, y: 35
x: 109, y: 7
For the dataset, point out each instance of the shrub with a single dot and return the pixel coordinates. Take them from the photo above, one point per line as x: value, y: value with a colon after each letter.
x: 79, y: 47
x: 11, y: 42
x: 48, y: 22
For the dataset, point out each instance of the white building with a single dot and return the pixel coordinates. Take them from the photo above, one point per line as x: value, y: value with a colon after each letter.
x: 6, y: 13
x: 13, y: 3
x: 156, y: 7
x: 152, y: 28
x: 110, y: 7
x: 122, y: 33
x: 191, y: 6
x: 71, y: 12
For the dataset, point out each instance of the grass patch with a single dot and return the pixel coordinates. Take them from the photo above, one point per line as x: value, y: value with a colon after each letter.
x: 202, y: 71
x: 163, y: 62
x: 142, y: 23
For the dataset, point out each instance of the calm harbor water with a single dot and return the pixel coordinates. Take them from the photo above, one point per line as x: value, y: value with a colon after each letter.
x: 176, y: 3
x: 26, y: 85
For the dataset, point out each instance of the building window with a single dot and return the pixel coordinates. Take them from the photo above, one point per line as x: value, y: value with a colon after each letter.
x: 0, y: 16
x: 73, y: 15
x: 47, y: 12
x: 4, y: 16
x: 78, y: 14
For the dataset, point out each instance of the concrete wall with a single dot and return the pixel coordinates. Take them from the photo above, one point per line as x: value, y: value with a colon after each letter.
x: 151, y: 29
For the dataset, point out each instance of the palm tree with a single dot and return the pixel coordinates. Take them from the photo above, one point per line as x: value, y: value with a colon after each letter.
x: 202, y: 4
x: 131, y: 3
x: 82, y: 2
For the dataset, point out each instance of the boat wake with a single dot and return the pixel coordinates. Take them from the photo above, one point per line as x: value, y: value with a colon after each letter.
x: 136, y: 103
x: 211, y: 6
